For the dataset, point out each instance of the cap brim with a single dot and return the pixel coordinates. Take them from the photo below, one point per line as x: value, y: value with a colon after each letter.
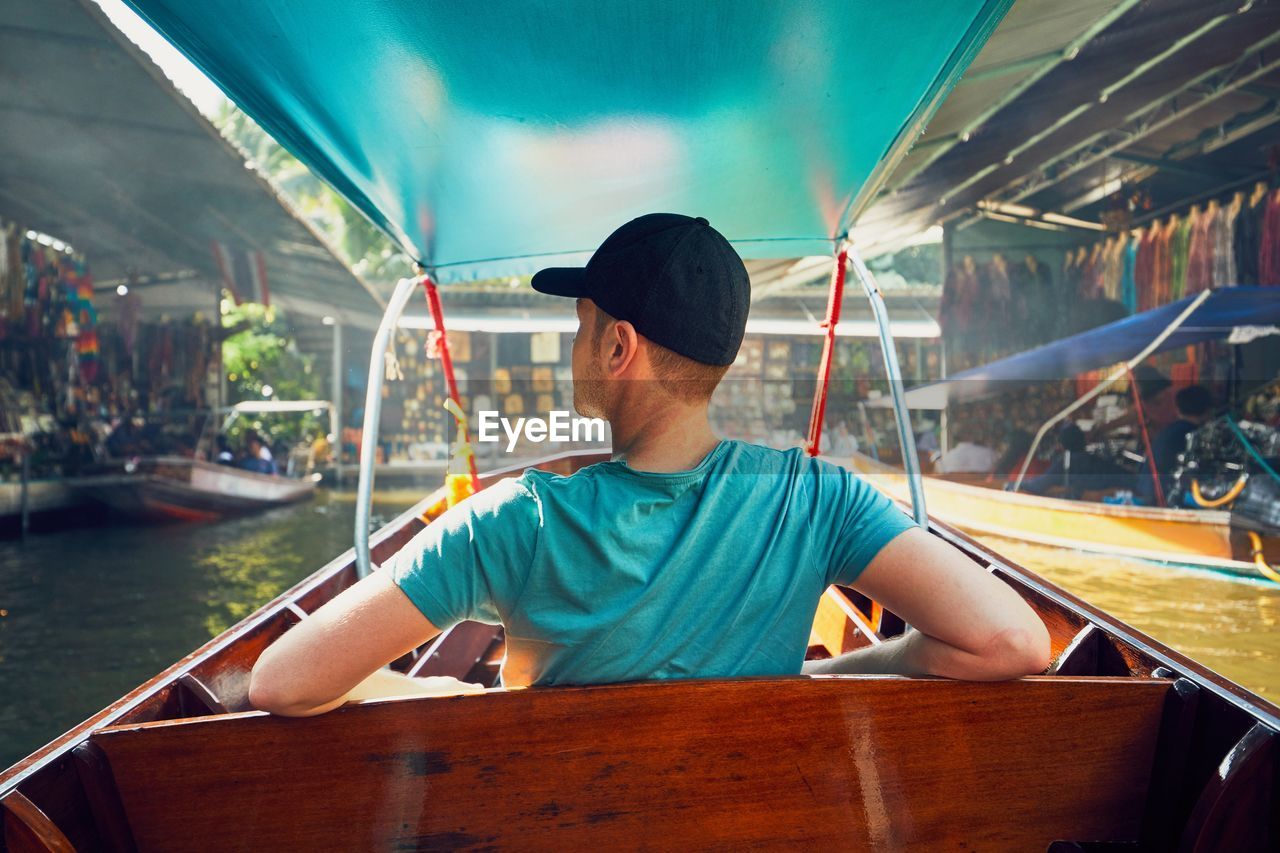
x: 561, y: 281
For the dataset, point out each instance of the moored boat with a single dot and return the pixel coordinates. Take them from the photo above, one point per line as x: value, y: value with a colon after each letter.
x: 184, y: 489
x: 189, y: 488
x: 45, y: 500
x: 1203, y: 538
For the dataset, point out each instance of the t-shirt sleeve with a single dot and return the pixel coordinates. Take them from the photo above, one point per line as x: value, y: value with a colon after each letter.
x: 472, y: 562
x: 860, y: 521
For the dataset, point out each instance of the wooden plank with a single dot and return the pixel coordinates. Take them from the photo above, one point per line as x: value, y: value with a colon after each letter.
x: 839, y: 762
x: 1239, y: 809
x: 195, y: 699
x: 1081, y: 657
x: 29, y: 830
x: 456, y: 651
x: 1164, y: 814
x: 104, y: 802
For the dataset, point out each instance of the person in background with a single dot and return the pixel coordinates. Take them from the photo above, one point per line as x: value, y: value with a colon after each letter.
x: 968, y: 456
x: 1192, y: 404
x: 927, y: 446
x: 842, y: 441
x: 1017, y: 446
x: 1157, y: 406
x: 1074, y: 470
x: 259, y: 456
x: 223, y: 454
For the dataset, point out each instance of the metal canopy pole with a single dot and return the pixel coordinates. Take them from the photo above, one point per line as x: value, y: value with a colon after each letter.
x: 372, y: 414
x: 910, y: 461
x: 835, y: 297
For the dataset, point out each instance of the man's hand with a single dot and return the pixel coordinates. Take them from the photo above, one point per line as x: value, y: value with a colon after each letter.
x: 318, y: 662
x: 967, y: 624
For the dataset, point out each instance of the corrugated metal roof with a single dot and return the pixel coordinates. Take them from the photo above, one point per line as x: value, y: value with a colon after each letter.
x: 98, y: 148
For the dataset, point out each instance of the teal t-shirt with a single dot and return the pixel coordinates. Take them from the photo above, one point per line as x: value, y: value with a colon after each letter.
x: 613, y: 574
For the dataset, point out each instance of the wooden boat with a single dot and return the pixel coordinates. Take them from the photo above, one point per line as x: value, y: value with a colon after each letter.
x: 1186, y: 537
x: 44, y: 498
x: 1122, y: 742
x: 183, y: 489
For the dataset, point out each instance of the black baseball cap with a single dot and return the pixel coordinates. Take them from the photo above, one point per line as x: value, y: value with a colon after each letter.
x: 673, y: 277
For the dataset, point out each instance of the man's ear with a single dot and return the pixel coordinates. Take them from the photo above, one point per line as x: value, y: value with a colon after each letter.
x: 624, y: 343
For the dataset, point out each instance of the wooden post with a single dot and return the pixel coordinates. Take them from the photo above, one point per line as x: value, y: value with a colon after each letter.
x: 24, y: 500
x: 335, y: 409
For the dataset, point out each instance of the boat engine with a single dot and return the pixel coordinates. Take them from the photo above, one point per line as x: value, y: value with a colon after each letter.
x: 1218, y: 471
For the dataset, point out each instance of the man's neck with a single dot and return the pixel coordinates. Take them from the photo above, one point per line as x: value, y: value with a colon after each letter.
x: 662, y: 439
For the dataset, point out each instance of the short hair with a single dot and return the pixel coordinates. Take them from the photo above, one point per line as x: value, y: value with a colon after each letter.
x: 680, y: 376
x: 1071, y: 438
x: 1194, y: 400
x: 253, y: 435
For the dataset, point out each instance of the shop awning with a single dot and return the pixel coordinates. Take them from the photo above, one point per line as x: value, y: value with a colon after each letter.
x: 1238, y: 314
x: 99, y: 149
x: 491, y: 139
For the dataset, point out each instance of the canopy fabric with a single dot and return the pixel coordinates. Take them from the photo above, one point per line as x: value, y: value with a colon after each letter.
x: 490, y: 139
x: 1244, y: 311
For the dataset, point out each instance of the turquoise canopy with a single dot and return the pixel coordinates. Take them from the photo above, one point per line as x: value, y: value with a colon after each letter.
x: 490, y: 139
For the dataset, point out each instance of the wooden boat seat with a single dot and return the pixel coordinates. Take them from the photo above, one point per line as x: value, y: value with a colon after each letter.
x: 840, y: 762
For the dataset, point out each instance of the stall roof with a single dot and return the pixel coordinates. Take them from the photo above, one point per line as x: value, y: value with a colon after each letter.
x: 98, y: 148
x: 490, y: 139
x: 1243, y: 312
x: 1147, y: 95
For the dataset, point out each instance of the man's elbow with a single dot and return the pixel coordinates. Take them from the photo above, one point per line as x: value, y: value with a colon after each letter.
x: 270, y: 694
x: 1022, y: 650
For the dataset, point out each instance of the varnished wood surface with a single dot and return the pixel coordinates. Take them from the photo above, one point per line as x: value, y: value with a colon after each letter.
x: 1239, y: 810
x: 836, y: 763
x: 29, y: 830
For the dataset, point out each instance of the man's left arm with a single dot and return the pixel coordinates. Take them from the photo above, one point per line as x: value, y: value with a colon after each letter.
x: 317, y: 664
x: 965, y: 623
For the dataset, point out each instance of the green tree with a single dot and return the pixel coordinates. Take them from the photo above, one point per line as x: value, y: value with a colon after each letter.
x: 364, y: 248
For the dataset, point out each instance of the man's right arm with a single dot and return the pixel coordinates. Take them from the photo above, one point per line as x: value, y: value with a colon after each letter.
x: 966, y: 623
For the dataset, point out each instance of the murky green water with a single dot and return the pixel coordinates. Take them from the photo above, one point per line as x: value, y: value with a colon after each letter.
x: 89, y: 614
x: 1228, y: 624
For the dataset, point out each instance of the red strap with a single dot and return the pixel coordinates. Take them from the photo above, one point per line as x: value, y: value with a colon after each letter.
x: 446, y: 361
x: 834, y: 299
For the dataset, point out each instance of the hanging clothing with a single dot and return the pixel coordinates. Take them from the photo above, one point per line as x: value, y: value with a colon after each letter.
x: 1164, y: 263
x: 1269, y: 257
x: 1248, y: 242
x: 1179, y: 250
x: 1033, y: 299
x: 1224, y: 258
x: 1128, y: 273
x: 1144, y: 270
x: 959, y: 296
x: 1201, y: 240
x: 1112, y: 266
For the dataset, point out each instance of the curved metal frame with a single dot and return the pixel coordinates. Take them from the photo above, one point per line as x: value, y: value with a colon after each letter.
x: 910, y: 459
x: 372, y: 416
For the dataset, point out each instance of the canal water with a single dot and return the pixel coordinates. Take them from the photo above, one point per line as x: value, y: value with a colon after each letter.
x: 88, y: 614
